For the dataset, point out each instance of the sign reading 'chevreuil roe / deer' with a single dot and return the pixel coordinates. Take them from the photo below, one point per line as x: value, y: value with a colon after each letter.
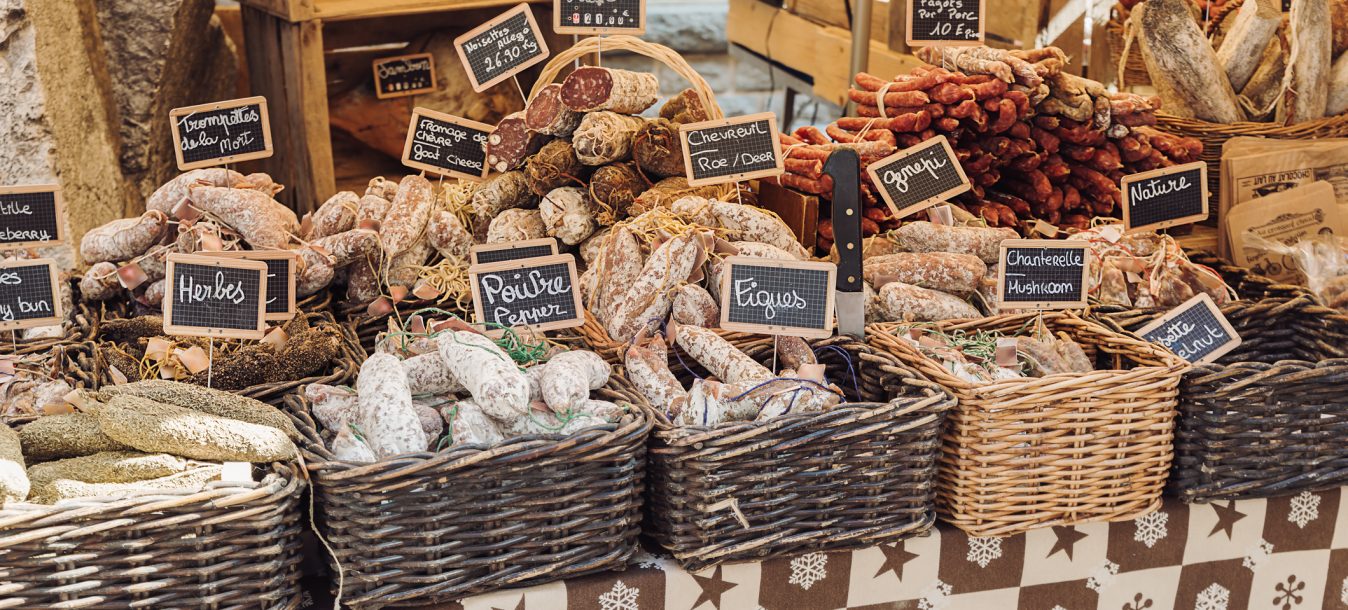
x: 1042, y: 274
x: 31, y: 216
x: 215, y: 297
x: 541, y: 293
x: 501, y: 48
x: 445, y: 144
x: 222, y: 132
x: 29, y: 294
x: 1196, y: 331
x: 730, y: 150
x: 919, y: 177
x: 776, y: 297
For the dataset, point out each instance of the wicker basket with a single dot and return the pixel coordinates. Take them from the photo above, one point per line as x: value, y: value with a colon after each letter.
x: 1267, y: 418
x: 854, y: 476
x: 341, y: 372
x: 1056, y: 450
x: 229, y: 546
x: 433, y: 527
x: 1134, y: 69
x: 83, y: 326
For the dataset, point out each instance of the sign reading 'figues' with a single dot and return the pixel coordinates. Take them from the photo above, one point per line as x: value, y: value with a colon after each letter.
x: 541, y: 293
x: 445, y: 144
x: 919, y: 177
x: 29, y: 294
x: 1042, y: 274
x: 31, y: 216
x: 215, y: 297
x: 777, y: 297
x: 220, y: 133
x: 1196, y: 331
x: 728, y: 150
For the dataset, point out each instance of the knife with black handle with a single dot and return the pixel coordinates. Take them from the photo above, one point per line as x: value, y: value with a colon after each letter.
x: 850, y: 297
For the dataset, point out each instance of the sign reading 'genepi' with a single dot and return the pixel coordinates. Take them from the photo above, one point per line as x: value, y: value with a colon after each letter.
x: 919, y: 177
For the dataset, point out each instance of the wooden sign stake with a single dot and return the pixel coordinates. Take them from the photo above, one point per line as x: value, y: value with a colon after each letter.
x: 210, y: 361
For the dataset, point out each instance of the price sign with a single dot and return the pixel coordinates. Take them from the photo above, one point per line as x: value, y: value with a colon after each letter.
x: 404, y: 75
x: 1165, y: 197
x: 733, y: 149
x: 945, y: 23
x: 500, y: 48
x: 220, y: 133
x: 599, y: 17
x: 919, y: 177
x: 29, y: 294
x: 31, y: 216
x: 541, y: 293
x: 445, y: 144
x: 280, y: 279
x: 1042, y: 274
x: 512, y: 251
x: 215, y: 297
x: 1196, y: 331
x: 778, y: 297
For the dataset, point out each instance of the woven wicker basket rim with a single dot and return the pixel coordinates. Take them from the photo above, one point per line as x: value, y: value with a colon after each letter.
x: 665, y: 55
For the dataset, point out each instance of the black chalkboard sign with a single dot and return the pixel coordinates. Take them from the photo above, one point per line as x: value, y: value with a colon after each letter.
x: 500, y: 48
x: 1042, y: 274
x: 946, y: 23
x: 220, y: 133
x: 445, y: 144
x: 541, y: 293
x: 404, y: 75
x: 31, y: 216
x: 1165, y: 197
x: 599, y: 17
x: 919, y: 177
x: 485, y: 254
x: 280, y: 279
x: 215, y: 297
x: 733, y: 149
x: 29, y: 294
x: 1196, y: 331
x: 778, y: 297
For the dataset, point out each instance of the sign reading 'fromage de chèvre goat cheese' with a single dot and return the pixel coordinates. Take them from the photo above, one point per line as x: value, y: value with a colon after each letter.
x: 541, y: 293
x: 919, y: 177
x: 31, y: 216
x: 776, y: 297
x: 1042, y: 274
x: 29, y: 294
x: 1196, y: 331
x: 215, y: 297
x: 221, y: 132
x: 445, y: 144
x: 733, y: 149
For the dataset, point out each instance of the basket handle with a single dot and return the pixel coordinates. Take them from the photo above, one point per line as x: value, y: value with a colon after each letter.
x: 658, y: 52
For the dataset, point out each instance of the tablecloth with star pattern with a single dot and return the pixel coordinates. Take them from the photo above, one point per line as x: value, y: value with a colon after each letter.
x: 1287, y: 553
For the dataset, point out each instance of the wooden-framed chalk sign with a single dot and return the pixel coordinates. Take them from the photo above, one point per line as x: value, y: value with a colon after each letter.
x: 1196, y: 331
x: 209, y: 296
x: 541, y: 293
x: 1042, y: 274
x: 945, y: 23
x: 446, y: 144
x: 486, y: 254
x: 31, y: 216
x: 221, y: 132
x: 1165, y: 197
x: 403, y: 75
x: 778, y: 297
x: 281, y: 267
x: 731, y: 149
x: 501, y: 48
x: 919, y: 177
x: 30, y: 294
x: 599, y: 17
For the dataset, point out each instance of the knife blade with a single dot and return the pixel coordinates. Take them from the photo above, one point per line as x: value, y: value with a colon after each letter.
x: 849, y: 293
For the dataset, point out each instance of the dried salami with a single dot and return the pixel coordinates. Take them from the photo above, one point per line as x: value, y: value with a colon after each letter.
x: 594, y: 88
x: 512, y: 142
x: 546, y: 114
x: 658, y: 150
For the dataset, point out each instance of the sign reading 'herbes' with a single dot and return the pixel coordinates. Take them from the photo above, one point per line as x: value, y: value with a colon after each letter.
x: 733, y: 149
x: 215, y: 297
x: 500, y: 48
x: 776, y: 297
x: 221, y: 132
x: 445, y: 144
x: 280, y: 279
x: 919, y: 177
x: 31, y: 216
x: 541, y: 293
x: 1042, y: 274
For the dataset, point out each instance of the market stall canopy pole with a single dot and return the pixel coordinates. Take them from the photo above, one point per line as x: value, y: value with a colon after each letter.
x: 861, y: 43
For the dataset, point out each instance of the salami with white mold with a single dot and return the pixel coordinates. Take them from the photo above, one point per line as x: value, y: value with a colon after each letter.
x: 489, y: 374
x: 592, y: 88
x: 512, y: 142
x: 546, y: 114
x: 386, y: 416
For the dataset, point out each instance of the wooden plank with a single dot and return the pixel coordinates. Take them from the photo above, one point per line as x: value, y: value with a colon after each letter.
x: 826, y: 12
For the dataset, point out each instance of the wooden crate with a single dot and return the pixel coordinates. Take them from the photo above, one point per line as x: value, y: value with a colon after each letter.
x: 838, y: 13
x: 289, y: 47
